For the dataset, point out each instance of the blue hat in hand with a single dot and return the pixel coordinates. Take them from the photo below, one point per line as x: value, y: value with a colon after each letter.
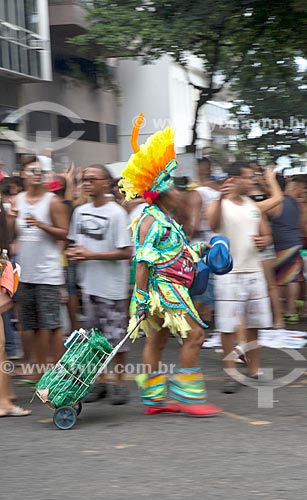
x: 218, y: 258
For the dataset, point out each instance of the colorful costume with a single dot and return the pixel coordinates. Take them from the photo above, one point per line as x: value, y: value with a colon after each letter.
x: 171, y: 267
x: 171, y: 273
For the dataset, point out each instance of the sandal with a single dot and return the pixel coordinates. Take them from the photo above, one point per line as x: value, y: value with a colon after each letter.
x: 300, y: 304
x: 292, y: 319
x: 16, y: 411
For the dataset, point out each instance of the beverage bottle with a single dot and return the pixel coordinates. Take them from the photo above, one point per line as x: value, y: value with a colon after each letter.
x: 4, y: 255
x: 71, y: 339
x: 27, y: 214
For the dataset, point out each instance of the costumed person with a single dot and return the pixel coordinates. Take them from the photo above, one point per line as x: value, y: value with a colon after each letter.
x: 164, y: 274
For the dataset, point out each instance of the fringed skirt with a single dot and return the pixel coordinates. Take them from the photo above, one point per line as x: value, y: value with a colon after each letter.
x: 169, y: 301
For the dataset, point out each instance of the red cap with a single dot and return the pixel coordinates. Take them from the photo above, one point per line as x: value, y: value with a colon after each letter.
x: 54, y: 185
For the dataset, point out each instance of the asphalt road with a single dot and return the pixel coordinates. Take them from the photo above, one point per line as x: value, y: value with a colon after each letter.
x: 245, y: 453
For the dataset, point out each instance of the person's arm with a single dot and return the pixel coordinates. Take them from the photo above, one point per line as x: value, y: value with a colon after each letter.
x: 59, y: 220
x: 80, y: 254
x: 11, y: 222
x: 120, y: 241
x: 214, y: 210
x: 275, y: 191
x: 69, y: 177
x: 142, y: 272
x: 142, y: 267
x: 214, y: 214
x: 265, y: 234
x: 302, y: 217
x: 196, y: 212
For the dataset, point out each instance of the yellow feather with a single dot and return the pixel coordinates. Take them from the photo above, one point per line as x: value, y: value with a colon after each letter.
x: 144, y: 165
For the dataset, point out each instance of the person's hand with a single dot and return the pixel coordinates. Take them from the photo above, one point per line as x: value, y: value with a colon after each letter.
x: 143, y: 314
x: 79, y: 174
x: 260, y: 242
x: 31, y: 221
x: 12, y: 213
x: 70, y: 253
x: 70, y: 174
x: 269, y: 174
x: 82, y: 253
x: 227, y: 188
x: 207, y: 245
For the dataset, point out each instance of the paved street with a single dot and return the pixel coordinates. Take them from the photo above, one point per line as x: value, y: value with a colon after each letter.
x: 117, y: 453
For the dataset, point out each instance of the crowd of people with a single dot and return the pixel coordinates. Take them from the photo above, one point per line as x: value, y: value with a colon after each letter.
x: 71, y: 236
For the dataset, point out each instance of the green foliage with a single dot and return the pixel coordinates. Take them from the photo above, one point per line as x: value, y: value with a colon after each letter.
x: 272, y: 90
x: 233, y: 38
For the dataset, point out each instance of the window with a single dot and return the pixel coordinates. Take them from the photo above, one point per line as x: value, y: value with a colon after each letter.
x: 4, y: 112
x: 32, y: 15
x: 17, y: 53
x: 91, y: 131
x: 89, y: 128
x: 111, y: 132
x: 38, y: 122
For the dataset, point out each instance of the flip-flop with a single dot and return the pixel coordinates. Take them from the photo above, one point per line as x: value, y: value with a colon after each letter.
x: 24, y: 381
x: 17, y: 411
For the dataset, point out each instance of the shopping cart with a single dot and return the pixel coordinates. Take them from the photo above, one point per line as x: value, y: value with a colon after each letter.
x: 71, y: 379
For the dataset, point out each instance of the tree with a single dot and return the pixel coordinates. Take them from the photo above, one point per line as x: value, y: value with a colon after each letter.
x: 225, y: 35
x: 271, y: 110
x: 272, y: 89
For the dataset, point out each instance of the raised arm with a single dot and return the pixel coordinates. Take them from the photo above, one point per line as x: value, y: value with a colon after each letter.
x: 275, y: 191
x: 214, y: 210
x: 196, y: 206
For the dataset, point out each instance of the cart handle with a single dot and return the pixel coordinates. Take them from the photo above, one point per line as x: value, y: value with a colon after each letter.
x: 118, y: 346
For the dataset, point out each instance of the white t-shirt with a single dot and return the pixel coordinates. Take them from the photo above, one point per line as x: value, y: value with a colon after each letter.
x: 240, y: 223
x: 39, y: 254
x: 102, y: 229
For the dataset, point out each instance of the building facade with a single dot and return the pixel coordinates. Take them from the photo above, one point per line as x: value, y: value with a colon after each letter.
x: 46, y: 104
x: 24, y: 40
x: 24, y: 57
x: 162, y: 92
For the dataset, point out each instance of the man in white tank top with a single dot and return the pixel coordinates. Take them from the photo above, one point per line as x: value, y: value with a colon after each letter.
x: 41, y: 224
x: 241, y: 294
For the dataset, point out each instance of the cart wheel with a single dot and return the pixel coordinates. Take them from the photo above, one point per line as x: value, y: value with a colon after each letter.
x: 78, y: 408
x: 64, y: 418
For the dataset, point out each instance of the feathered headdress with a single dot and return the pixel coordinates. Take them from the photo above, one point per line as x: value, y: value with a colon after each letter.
x: 147, y: 173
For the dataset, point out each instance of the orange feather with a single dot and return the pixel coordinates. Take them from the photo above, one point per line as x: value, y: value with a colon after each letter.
x: 135, y: 133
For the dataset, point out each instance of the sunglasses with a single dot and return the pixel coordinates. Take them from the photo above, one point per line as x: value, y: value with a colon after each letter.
x: 92, y: 179
x: 33, y: 171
